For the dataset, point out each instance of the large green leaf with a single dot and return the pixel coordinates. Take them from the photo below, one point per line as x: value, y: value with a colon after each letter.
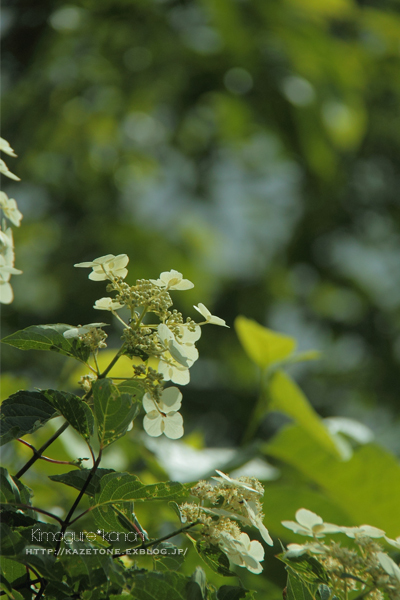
x: 23, y: 413
x: 114, y: 412
x: 159, y: 586
x: 366, y: 488
x: 49, y: 337
x: 297, y: 589
x: 77, y: 479
x: 263, y: 346
x: 286, y: 397
x: 12, y: 491
x: 73, y: 409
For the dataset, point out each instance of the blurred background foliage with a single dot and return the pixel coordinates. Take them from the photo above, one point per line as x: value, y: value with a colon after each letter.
x: 255, y: 147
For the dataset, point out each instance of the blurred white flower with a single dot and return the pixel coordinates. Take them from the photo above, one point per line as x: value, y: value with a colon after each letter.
x: 395, y: 543
x: 6, y: 171
x: 295, y: 550
x: 242, y: 551
x: 6, y: 148
x: 75, y: 332
x: 172, y: 370
x: 107, y: 304
x: 389, y: 565
x: 367, y: 530
x: 163, y: 416
x: 7, y: 266
x: 223, y: 478
x: 310, y: 524
x: 212, y: 319
x: 256, y: 520
x: 107, y: 267
x: 172, y: 280
x: 184, y: 352
x: 10, y: 209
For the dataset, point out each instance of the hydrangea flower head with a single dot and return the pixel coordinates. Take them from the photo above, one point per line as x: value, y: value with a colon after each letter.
x: 163, y: 416
x: 107, y: 267
x: 242, y: 551
x: 172, y: 280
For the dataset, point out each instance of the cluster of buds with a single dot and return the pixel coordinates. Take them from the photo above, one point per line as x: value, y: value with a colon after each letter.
x: 171, y: 340
x: 12, y: 214
x: 224, y: 505
x: 364, y: 568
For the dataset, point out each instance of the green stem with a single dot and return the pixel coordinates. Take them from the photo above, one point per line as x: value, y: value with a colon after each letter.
x: 162, y: 539
x: 39, y: 452
x: 112, y: 363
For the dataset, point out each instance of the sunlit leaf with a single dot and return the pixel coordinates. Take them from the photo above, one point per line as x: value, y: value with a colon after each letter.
x: 263, y: 346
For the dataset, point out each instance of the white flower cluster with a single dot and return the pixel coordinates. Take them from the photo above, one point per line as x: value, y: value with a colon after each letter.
x: 10, y: 212
x: 223, y: 506
x: 171, y: 341
x: 372, y: 562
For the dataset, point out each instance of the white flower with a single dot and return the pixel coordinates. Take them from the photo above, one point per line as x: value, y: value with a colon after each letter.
x: 81, y: 330
x: 256, y: 520
x: 6, y: 171
x: 212, y: 319
x: 107, y: 304
x: 107, y: 267
x: 308, y: 523
x: 389, y: 565
x: 7, y: 266
x: 6, y: 148
x: 242, y: 551
x: 367, y: 530
x: 10, y: 209
x: 163, y: 416
x: 395, y: 543
x: 184, y: 353
x: 172, y: 280
x: 233, y: 482
x: 172, y: 370
x: 295, y: 550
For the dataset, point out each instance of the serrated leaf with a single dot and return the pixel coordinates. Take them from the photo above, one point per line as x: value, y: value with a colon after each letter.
x: 124, y: 487
x: 296, y: 589
x: 77, y: 479
x: 172, y: 561
x: 11, y: 542
x: 286, y: 397
x: 214, y: 558
x: 131, y: 386
x: 114, y: 412
x: 73, y: 409
x: 12, y: 491
x: 262, y: 345
x: 23, y: 413
x: 49, y: 337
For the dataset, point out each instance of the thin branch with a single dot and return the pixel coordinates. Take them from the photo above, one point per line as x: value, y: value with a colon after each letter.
x: 34, y: 509
x: 35, y: 457
x: 161, y: 539
x: 41, y: 457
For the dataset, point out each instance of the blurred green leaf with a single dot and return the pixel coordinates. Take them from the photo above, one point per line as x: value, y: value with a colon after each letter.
x: 263, y: 346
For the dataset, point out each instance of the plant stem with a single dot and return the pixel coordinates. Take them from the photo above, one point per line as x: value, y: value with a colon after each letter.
x: 39, y: 510
x: 161, y: 539
x: 112, y: 363
x: 52, y: 460
x: 39, y: 452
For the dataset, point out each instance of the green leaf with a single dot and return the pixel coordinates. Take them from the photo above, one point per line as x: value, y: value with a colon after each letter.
x: 124, y: 487
x: 286, y: 397
x: 23, y: 413
x: 159, y: 586
x: 77, y: 479
x: 365, y: 488
x: 12, y: 491
x: 196, y: 588
x: 307, y: 568
x: 214, y: 558
x: 49, y: 337
x: 263, y: 346
x: 233, y: 592
x: 296, y: 589
x: 132, y: 387
x: 13, y: 571
x: 73, y: 409
x: 172, y: 561
x: 11, y: 542
x: 114, y: 412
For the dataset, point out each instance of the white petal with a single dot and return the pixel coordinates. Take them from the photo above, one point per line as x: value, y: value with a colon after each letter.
x: 173, y: 426
x: 203, y: 310
x: 256, y: 550
x: 171, y: 400
x: 296, y: 528
x: 153, y: 424
x: 389, y: 565
x: 307, y: 518
x: 6, y: 293
x: 148, y: 403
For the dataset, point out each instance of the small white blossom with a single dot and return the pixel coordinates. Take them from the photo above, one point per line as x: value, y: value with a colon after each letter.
x: 6, y: 148
x: 389, y: 565
x: 10, y: 209
x: 212, y: 319
x: 223, y: 478
x: 172, y: 280
x: 107, y: 304
x: 184, y: 352
x: 395, y: 543
x: 295, y: 550
x: 6, y: 171
x: 242, y: 551
x: 172, y: 370
x: 367, y: 530
x: 7, y: 266
x: 163, y: 416
x: 256, y: 520
x: 310, y: 524
x: 75, y: 332
x: 107, y: 267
